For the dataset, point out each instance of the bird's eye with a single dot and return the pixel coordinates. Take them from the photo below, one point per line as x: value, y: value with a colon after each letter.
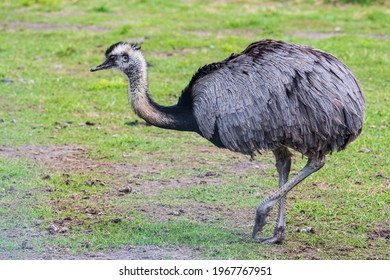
x: 125, y: 58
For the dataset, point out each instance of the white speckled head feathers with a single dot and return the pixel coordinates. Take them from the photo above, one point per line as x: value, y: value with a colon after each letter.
x: 122, y: 47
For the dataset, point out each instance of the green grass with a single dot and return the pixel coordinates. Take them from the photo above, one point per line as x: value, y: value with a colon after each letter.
x: 185, y: 192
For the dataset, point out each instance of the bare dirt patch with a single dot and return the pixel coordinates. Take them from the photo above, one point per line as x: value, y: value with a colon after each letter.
x: 127, y: 253
x: 240, y: 32
x: 13, y: 26
x: 381, y: 232
x: 233, y: 217
x: 326, y: 35
x: 302, y: 251
x: 177, y: 52
x: 66, y: 158
x: 148, y: 253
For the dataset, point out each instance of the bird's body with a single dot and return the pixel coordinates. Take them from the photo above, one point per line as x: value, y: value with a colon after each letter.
x: 272, y: 96
x: 275, y: 94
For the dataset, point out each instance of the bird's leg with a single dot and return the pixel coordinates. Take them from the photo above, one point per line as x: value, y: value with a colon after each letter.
x: 283, y: 165
x: 266, y: 206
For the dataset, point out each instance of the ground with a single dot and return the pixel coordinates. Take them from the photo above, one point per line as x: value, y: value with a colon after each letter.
x: 67, y: 160
x: 70, y: 159
x: 82, y: 177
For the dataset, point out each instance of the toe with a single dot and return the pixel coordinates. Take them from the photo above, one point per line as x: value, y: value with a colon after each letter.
x: 269, y: 240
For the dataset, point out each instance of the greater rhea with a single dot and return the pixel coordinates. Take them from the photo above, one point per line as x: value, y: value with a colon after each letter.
x: 272, y: 96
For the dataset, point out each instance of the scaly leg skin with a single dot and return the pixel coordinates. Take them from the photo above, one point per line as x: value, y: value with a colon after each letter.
x: 266, y: 206
x: 283, y: 165
x: 280, y: 227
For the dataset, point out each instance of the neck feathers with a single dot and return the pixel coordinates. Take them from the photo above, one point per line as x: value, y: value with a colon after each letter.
x: 172, y: 117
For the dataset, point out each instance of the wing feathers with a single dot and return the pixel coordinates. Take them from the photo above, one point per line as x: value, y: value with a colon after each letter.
x: 284, y: 95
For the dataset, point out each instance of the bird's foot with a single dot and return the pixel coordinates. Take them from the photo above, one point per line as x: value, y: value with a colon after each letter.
x: 277, y: 238
x: 262, y: 212
x: 271, y: 240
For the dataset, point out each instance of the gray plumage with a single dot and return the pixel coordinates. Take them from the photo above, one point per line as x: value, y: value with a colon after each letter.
x: 275, y: 94
x: 272, y: 96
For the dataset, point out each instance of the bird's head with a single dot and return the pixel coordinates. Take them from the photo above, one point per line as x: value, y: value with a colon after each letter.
x: 121, y: 56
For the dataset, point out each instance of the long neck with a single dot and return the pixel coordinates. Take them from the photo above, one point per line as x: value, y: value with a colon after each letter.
x: 172, y: 117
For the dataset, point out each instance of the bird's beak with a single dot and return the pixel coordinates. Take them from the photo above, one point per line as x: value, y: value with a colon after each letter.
x: 105, y: 65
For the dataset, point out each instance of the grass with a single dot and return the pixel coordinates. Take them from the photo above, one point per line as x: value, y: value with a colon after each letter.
x: 69, y: 141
